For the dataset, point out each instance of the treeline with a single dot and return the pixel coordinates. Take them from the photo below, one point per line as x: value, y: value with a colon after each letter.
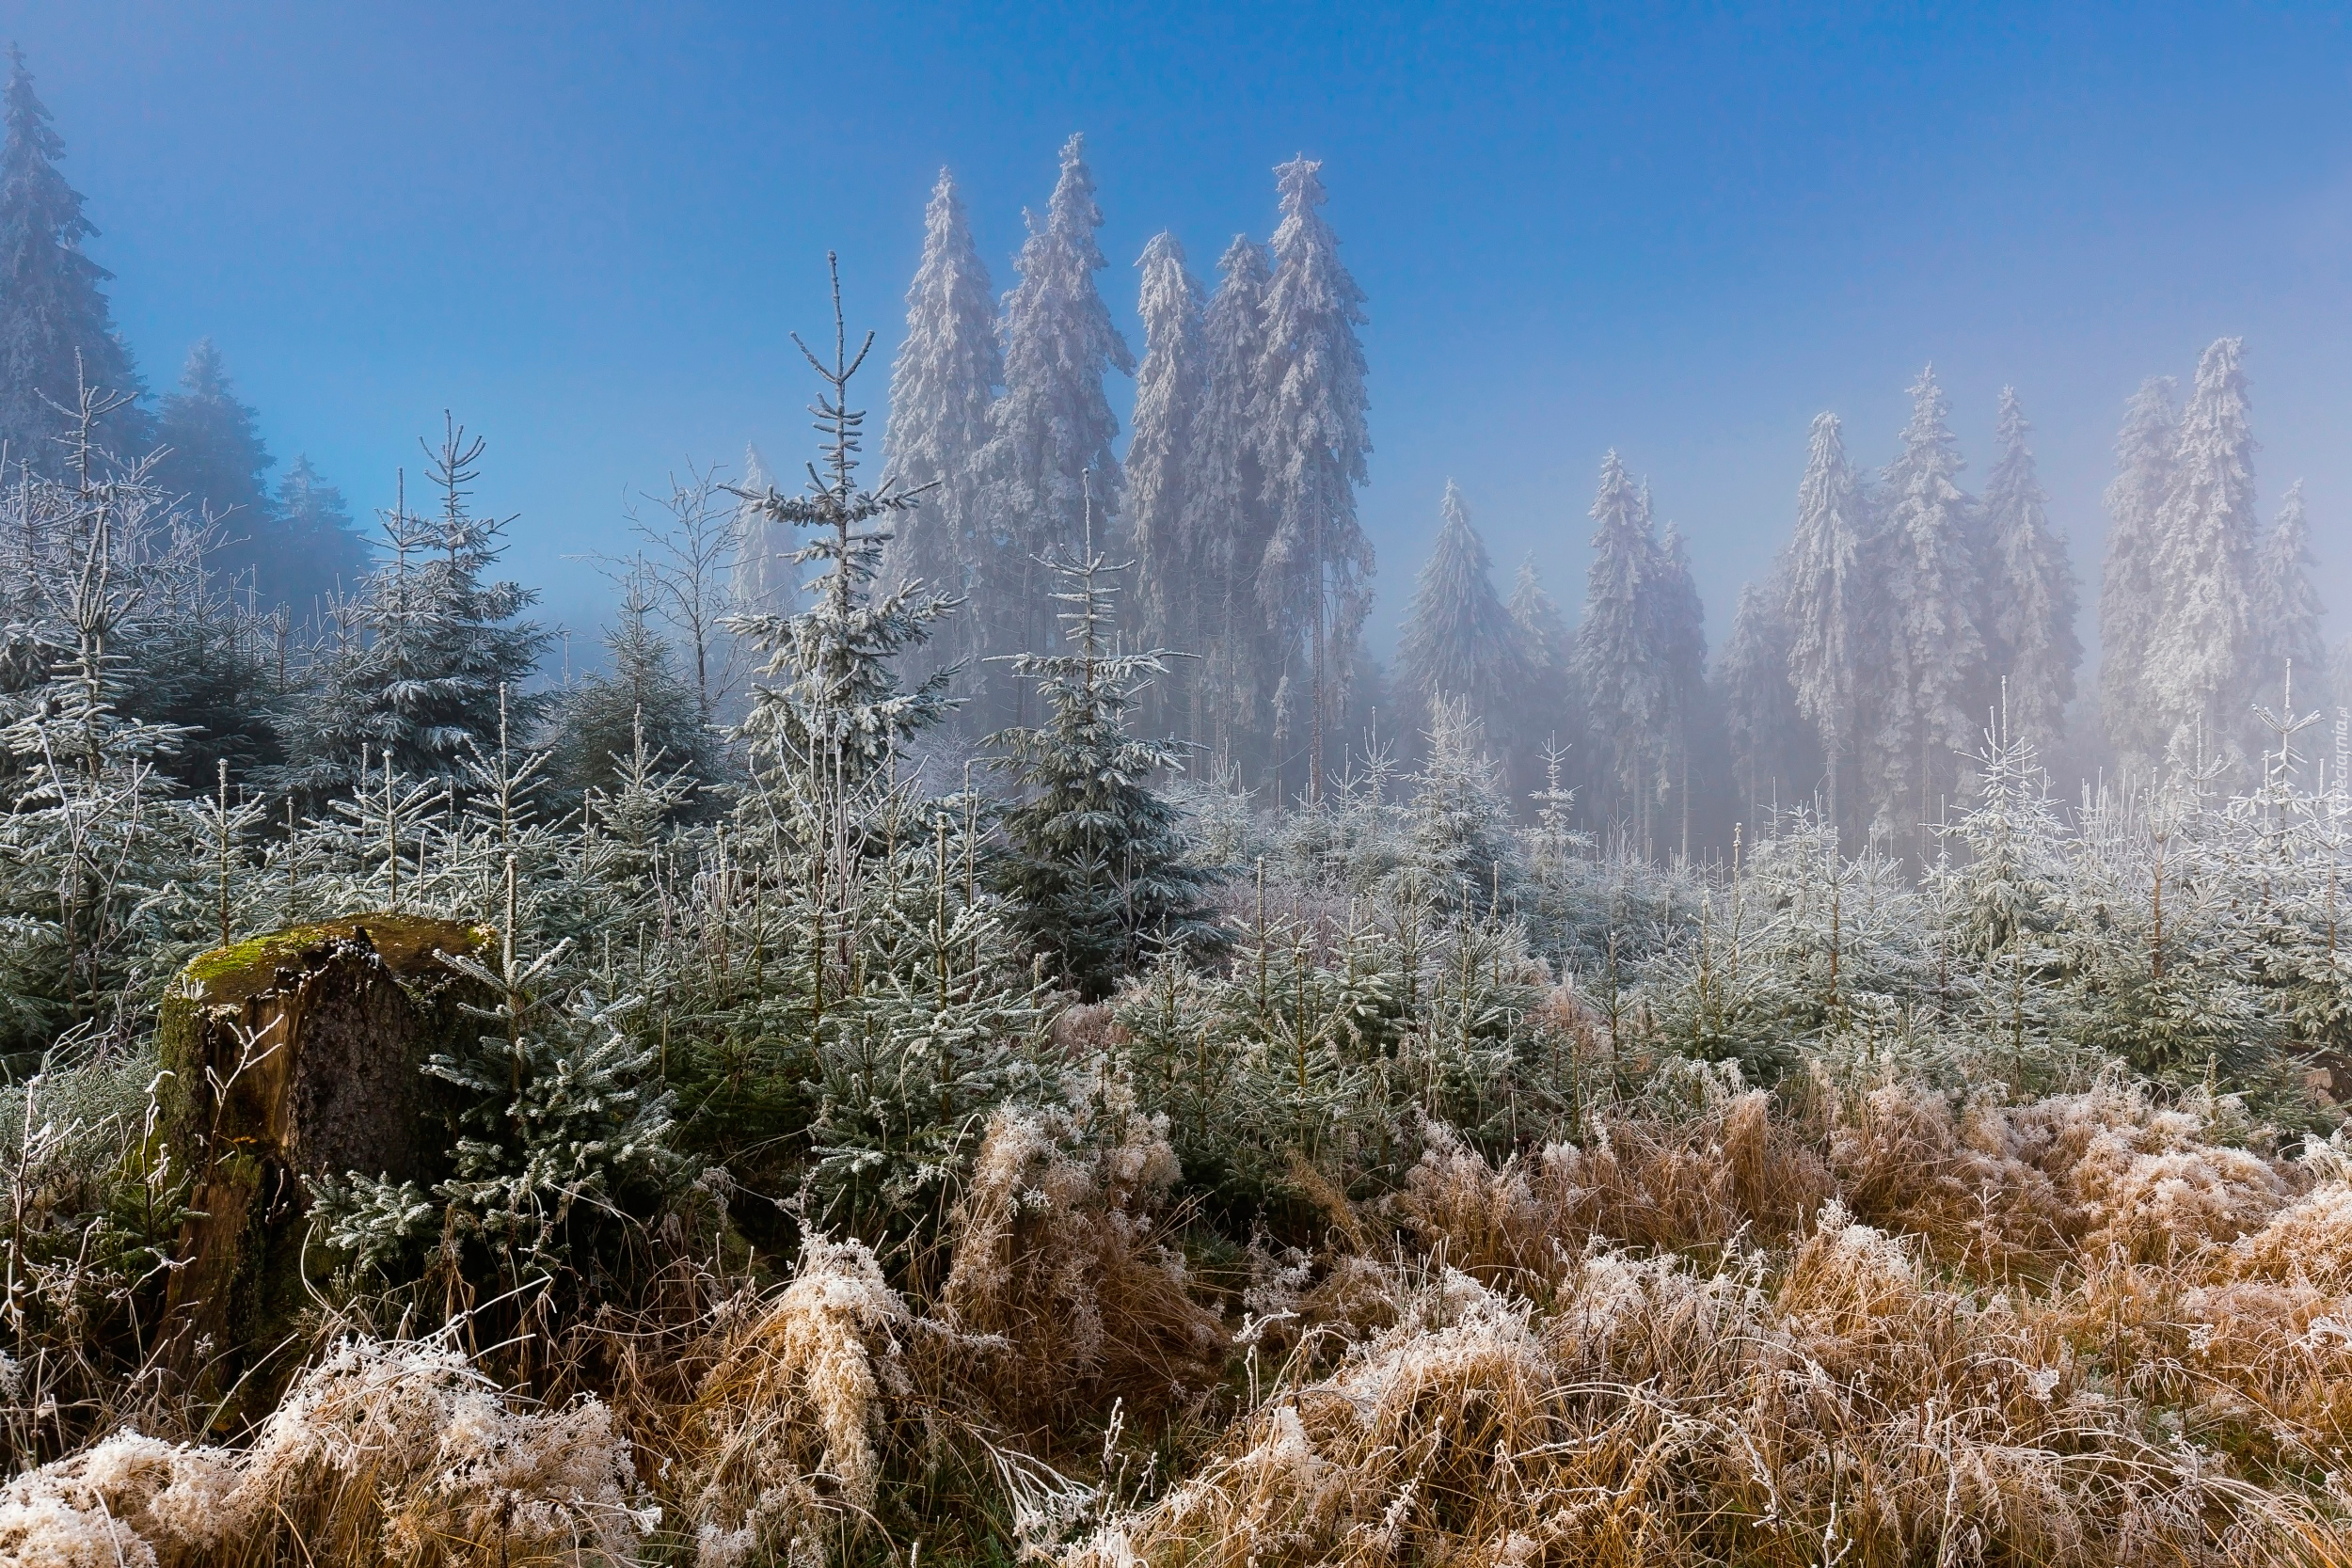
x: 1237, y: 498
x: 1903, y: 618
x: 287, y: 549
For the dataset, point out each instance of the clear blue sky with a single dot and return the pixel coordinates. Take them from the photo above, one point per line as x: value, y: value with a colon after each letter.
x: 588, y: 227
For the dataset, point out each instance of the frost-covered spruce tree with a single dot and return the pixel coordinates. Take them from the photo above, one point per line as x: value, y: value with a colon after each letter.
x: 2127, y: 582
x: 2201, y: 647
x: 1999, y: 890
x: 57, y: 333
x: 560, y: 1132
x: 1224, y: 522
x: 2034, y: 593
x: 1050, y: 434
x: 1934, y: 692
x: 1548, y: 714
x: 836, y: 713
x: 1459, y: 642
x: 940, y: 386
x: 1159, y: 461
x: 90, y: 836
x: 1682, y: 657
x: 1097, y: 866
x: 1765, y: 733
x: 1314, y: 579
x: 1459, y: 839
x: 434, y: 659
x: 764, y: 580
x: 2286, y: 613
x: 865, y: 1009
x: 1620, y: 661
x: 1824, y: 605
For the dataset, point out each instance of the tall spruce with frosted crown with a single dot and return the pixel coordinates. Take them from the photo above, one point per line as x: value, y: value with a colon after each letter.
x: 1053, y: 427
x: 1620, y: 660
x: 1764, y: 734
x: 2034, y: 597
x: 1459, y: 643
x: 1159, y: 462
x: 1548, y: 715
x: 1689, y: 719
x: 1224, y: 522
x: 2127, y: 580
x: 1314, y: 580
x: 57, y: 332
x: 1933, y: 691
x: 2287, y: 615
x: 941, y: 385
x: 1823, y: 602
x: 2201, y: 647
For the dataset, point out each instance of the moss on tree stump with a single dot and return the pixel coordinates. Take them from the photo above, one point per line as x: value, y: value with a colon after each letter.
x: 287, y: 1058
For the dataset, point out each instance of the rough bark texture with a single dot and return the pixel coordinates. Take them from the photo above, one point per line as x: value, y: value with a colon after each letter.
x: 287, y: 1057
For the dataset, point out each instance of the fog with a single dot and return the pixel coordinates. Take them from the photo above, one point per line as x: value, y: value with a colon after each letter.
x: 590, y: 232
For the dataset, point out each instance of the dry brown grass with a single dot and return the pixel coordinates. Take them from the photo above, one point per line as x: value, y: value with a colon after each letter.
x: 1700, y: 1181
x: 1858, y: 1411
x: 382, y: 1455
x: 2087, y: 1330
x: 1066, y: 1291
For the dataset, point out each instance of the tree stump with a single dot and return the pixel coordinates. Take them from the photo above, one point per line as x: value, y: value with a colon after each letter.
x: 287, y: 1058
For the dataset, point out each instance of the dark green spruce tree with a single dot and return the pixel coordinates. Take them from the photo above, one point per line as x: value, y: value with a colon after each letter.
x: 215, y: 463
x: 642, y: 697
x: 57, y: 334
x: 1097, y: 869
x: 430, y: 657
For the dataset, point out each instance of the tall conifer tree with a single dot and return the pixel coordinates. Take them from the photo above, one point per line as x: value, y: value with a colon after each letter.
x: 1687, y: 732
x: 1549, y: 713
x: 214, y: 460
x: 1765, y: 734
x: 1620, y: 663
x: 940, y: 386
x: 2201, y: 647
x: 2034, y: 598
x: 1930, y: 706
x: 1050, y: 434
x: 1159, y: 459
x: 1459, y: 642
x: 2127, y: 582
x: 57, y: 333
x: 1224, y: 522
x: 2287, y: 613
x: 1823, y: 602
x: 315, y: 521
x: 1315, y: 578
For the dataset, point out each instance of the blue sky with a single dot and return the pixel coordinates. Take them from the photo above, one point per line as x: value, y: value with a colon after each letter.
x: 588, y: 228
